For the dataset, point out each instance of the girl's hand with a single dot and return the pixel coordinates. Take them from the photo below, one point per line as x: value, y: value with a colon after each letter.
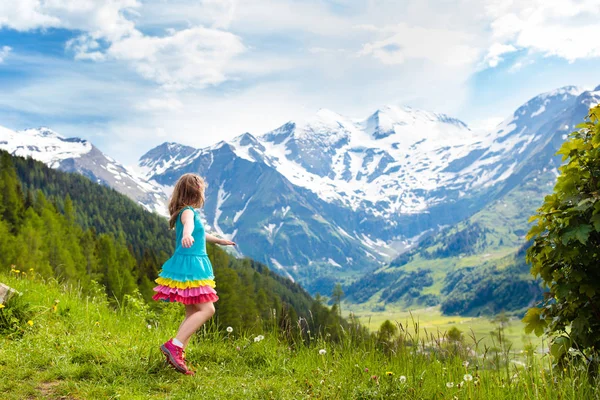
x: 224, y: 242
x: 187, y: 241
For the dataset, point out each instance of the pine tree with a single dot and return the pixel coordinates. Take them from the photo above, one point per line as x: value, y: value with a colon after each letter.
x: 229, y: 307
x: 10, y: 193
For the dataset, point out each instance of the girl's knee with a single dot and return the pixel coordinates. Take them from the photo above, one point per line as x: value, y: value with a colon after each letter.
x: 210, y: 309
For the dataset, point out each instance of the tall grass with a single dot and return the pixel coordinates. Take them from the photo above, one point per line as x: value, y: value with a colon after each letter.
x: 82, y: 347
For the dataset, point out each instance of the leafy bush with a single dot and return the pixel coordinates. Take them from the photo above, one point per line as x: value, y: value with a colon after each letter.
x: 14, y: 315
x: 566, y: 248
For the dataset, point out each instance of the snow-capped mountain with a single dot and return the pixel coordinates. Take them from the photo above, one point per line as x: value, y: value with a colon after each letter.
x: 77, y: 155
x: 331, y: 192
x: 359, y: 187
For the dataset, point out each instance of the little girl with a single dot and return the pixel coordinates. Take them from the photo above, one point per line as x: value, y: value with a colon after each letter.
x: 187, y: 277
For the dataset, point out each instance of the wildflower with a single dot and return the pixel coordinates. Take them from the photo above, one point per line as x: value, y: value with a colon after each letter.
x: 476, y: 382
x: 30, y: 269
x: 322, y: 352
x: 54, y: 308
x: 2, y: 305
x: 366, y: 369
x: 322, y: 381
x: 468, y: 377
x: 30, y: 323
x: 97, y: 323
x: 149, y: 326
x: 258, y: 338
x: 374, y: 377
x: 389, y: 373
x: 402, y: 379
x: 466, y: 364
x: 229, y: 329
x: 237, y: 348
x: 449, y: 385
x: 17, y: 271
x: 460, y: 384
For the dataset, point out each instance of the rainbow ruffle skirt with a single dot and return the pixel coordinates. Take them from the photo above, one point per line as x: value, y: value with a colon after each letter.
x: 186, y: 279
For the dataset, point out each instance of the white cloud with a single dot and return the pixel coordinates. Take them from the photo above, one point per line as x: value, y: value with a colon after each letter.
x: 562, y: 28
x: 4, y: 52
x: 192, y: 57
x: 24, y: 15
x: 493, y: 57
x: 442, y: 46
x: 160, y: 104
x: 260, y: 63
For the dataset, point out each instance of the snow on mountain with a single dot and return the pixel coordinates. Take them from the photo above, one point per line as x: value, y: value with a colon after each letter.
x: 379, y: 164
x: 47, y: 145
x: 78, y: 155
x: 351, y: 188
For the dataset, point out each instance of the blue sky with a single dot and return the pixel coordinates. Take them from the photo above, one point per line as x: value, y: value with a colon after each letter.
x: 131, y: 74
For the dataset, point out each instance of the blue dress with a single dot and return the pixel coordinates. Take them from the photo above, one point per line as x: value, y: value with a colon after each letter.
x: 187, y: 277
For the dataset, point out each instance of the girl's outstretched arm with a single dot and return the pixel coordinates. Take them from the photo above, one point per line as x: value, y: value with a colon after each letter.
x: 187, y: 219
x: 222, y: 242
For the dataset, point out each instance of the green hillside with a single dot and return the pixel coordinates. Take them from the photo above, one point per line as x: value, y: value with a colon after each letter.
x: 59, y: 343
x: 62, y: 225
x: 476, y: 267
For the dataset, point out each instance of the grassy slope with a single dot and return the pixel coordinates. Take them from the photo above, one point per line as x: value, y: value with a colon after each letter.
x: 86, y: 350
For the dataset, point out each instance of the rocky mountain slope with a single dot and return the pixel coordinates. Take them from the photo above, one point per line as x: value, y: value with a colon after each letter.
x: 81, y: 156
x: 337, y: 196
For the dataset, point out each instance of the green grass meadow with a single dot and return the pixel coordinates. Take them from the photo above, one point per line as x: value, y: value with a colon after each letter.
x: 56, y: 343
x: 431, y: 321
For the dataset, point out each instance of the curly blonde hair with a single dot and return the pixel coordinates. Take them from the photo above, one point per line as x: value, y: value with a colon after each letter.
x: 188, y: 191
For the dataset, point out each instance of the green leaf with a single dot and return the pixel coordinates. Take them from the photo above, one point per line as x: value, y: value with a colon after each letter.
x: 534, y: 231
x: 534, y: 322
x: 588, y: 290
x: 596, y: 221
x: 581, y: 233
x: 560, y: 346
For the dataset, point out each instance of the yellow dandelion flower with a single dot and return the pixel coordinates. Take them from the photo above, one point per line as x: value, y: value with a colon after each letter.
x: 97, y: 323
x: 389, y: 373
x: 30, y: 323
x: 54, y: 308
x: 17, y: 271
x: 31, y: 269
x: 2, y: 305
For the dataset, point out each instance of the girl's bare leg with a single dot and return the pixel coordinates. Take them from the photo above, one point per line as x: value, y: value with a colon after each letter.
x: 195, y: 316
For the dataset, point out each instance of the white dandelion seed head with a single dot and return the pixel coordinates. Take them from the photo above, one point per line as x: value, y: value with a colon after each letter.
x: 465, y: 364
x: 229, y: 329
x: 322, y: 352
x: 402, y: 379
x: 258, y: 338
x: 468, y: 377
x: 149, y: 326
x: 449, y: 385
